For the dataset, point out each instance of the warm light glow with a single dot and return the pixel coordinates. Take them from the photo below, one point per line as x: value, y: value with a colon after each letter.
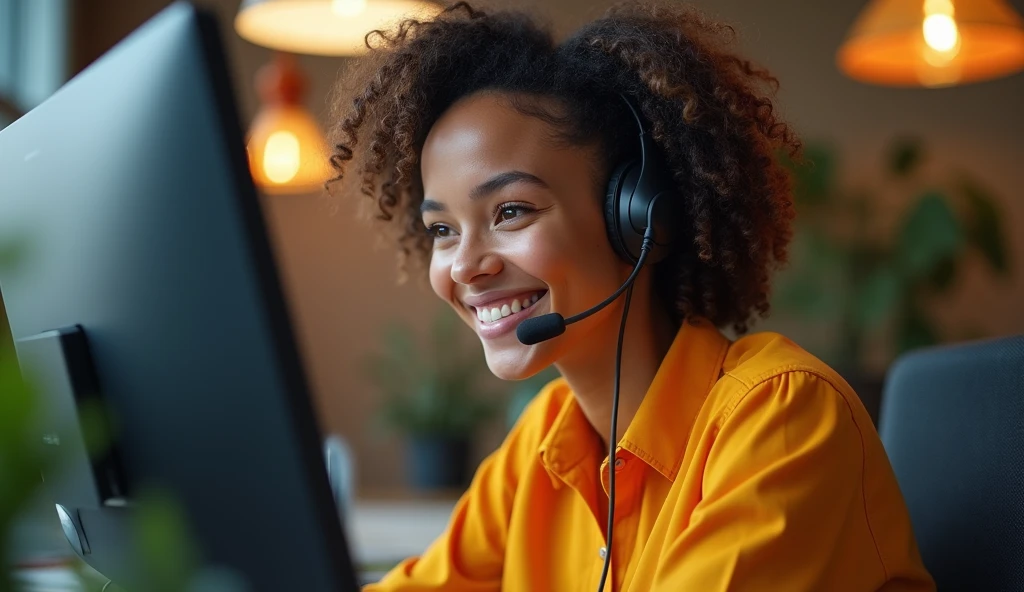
x: 281, y: 156
x: 348, y: 8
x: 933, y: 43
x: 940, y: 32
x: 938, y: 7
x: 324, y: 27
x: 287, y: 152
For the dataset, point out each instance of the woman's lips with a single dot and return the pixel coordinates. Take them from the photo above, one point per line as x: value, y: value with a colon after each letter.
x: 508, y: 312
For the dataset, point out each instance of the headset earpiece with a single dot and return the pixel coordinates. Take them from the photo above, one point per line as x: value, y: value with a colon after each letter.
x: 641, y: 192
x: 611, y: 210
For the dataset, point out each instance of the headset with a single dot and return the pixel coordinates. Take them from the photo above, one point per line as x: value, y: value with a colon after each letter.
x: 641, y: 194
x: 641, y: 208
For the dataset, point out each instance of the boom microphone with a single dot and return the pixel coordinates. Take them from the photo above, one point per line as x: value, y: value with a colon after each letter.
x: 547, y: 326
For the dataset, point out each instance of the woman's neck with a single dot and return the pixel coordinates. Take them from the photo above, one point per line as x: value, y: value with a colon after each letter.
x: 590, y: 372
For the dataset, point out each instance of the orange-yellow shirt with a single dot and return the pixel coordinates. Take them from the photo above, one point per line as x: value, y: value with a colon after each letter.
x: 749, y: 466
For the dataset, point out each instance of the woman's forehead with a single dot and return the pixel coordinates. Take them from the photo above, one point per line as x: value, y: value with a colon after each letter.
x: 483, y: 135
x: 485, y: 122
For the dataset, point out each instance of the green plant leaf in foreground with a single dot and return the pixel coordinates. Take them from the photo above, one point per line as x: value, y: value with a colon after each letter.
x: 169, y: 556
x: 21, y: 457
x: 11, y: 253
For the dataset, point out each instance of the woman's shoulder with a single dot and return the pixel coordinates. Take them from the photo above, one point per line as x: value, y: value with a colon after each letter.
x: 759, y: 357
x: 759, y: 360
x: 770, y: 383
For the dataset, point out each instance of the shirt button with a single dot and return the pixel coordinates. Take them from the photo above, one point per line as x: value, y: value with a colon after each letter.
x: 603, y: 553
x: 619, y: 463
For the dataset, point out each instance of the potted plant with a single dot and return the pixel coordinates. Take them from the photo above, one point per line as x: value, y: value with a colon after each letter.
x: 431, y: 396
x: 860, y: 277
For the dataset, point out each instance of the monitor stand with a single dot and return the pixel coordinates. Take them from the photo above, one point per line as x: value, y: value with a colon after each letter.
x: 83, y: 475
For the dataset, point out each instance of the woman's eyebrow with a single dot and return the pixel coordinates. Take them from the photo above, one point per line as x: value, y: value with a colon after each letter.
x: 488, y: 187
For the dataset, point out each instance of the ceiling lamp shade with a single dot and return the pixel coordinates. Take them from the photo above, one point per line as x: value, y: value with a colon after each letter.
x: 933, y: 42
x: 323, y: 27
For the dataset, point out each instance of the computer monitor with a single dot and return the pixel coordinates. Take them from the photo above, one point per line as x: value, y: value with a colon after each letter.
x: 150, y: 286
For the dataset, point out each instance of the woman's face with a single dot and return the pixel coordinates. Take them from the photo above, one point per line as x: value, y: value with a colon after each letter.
x: 518, y: 231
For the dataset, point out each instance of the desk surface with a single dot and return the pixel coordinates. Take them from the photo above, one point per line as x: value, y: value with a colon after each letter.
x: 381, y: 532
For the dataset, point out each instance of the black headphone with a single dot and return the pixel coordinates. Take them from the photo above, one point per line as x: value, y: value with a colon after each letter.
x: 641, y: 193
x: 640, y: 213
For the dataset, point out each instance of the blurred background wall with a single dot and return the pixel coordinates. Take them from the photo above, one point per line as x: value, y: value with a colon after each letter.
x: 343, y: 290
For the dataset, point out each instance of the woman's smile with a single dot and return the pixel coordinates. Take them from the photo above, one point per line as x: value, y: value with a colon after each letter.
x: 499, y: 313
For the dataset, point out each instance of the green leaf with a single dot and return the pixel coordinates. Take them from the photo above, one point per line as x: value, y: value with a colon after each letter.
x: 929, y: 233
x: 984, y: 228
x: 430, y: 390
x: 813, y: 177
x: 800, y: 293
x: 904, y: 156
x: 811, y: 286
x: 877, y: 297
x: 168, y: 551
x: 13, y: 252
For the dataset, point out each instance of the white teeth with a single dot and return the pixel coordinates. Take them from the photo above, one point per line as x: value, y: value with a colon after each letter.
x: 489, y: 315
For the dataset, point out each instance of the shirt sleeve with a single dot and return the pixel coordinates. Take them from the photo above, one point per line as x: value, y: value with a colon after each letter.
x: 469, y: 555
x: 781, y: 486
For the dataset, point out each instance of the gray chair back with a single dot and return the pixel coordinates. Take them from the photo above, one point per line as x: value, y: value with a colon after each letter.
x: 952, y: 422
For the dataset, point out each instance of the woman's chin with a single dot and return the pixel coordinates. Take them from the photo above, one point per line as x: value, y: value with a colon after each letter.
x: 514, y: 365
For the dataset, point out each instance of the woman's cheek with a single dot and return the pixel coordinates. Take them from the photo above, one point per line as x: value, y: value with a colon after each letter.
x: 440, y: 274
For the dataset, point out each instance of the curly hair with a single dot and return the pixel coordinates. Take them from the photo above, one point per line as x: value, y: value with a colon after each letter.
x: 709, y: 110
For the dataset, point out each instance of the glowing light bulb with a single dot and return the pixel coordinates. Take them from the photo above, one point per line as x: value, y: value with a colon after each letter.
x: 348, y: 8
x: 281, y: 156
x: 940, y: 32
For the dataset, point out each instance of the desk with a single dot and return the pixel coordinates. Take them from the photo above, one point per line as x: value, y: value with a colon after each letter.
x: 381, y: 532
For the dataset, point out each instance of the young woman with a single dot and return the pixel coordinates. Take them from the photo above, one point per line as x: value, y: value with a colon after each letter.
x: 497, y: 156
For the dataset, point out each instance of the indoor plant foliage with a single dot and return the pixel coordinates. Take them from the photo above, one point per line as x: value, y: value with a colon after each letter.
x: 431, y: 396
x: 860, y: 276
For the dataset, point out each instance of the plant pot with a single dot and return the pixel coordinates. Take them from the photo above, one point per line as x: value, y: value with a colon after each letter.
x: 438, y: 462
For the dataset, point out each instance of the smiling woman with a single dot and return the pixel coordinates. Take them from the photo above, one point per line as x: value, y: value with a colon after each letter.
x: 498, y: 158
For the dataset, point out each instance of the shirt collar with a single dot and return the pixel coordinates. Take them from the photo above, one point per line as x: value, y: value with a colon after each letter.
x: 661, y: 428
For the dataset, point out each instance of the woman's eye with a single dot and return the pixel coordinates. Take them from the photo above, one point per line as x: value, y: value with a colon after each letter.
x: 511, y: 212
x: 439, y: 231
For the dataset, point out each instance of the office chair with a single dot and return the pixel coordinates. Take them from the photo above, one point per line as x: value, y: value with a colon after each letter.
x: 952, y: 422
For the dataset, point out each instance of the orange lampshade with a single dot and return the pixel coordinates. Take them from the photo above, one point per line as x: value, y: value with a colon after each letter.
x: 287, y: 151
x: 933, y: 42
x: 323, y: 27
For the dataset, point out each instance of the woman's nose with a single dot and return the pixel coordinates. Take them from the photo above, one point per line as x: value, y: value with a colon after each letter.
x: 474, y: 260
